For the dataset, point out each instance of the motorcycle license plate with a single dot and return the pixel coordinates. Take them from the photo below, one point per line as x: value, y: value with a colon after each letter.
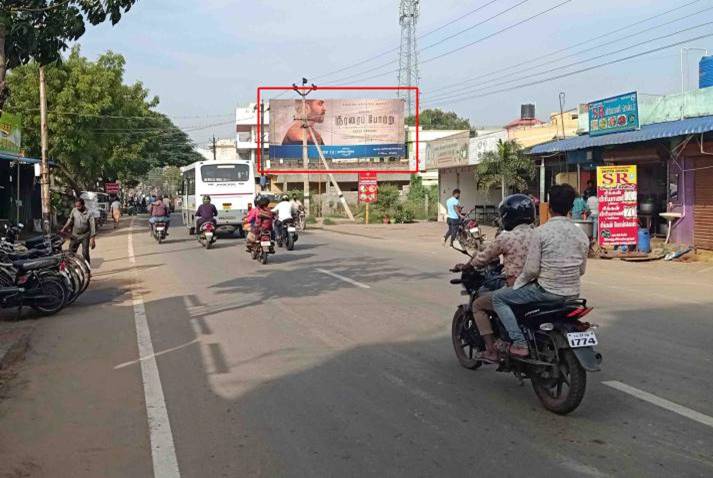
x: 291, y: 229
x: 582, y: 339
x: 474, y: 230
x: 160, y: 228
x: 265, y: 243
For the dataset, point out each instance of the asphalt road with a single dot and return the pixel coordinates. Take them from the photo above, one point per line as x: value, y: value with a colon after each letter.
x: 335, y: 360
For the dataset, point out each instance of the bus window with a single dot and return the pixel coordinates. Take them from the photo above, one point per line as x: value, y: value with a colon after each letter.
x: 216, y: 173
x: 189, y: 182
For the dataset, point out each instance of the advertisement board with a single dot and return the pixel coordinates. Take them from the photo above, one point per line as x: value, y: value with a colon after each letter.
x: 111, y: 188
x: 483, y: 143
x: 344, y: 128
x: 10, y: 133
x: 614, y: 115
x: 448, y: 152
x: 617, y: 194
x: 368, y: 187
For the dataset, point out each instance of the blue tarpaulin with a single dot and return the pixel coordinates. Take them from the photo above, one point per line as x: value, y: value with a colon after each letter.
x: 649, y: 132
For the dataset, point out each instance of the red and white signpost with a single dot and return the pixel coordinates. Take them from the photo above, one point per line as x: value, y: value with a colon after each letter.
x: 111, y: 188
x: 368, y: 190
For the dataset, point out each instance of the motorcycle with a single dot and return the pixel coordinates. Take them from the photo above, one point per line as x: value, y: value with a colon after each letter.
x: 301, y: 220
x: 561, y: 344
x: 158, y: 230
x: 469, y: 235
x: 207, y: 234
x: 287, y: 234
x: 263, y: 246
x: 34, y: 283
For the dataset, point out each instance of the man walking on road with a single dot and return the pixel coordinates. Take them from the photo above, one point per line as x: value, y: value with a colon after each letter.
x: 116, y: 211
x: 83, y: 229
x: 453, y: 207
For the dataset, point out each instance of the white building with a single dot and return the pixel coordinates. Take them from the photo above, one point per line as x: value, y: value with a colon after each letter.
x: 246, y: 129
x: 224, y: 150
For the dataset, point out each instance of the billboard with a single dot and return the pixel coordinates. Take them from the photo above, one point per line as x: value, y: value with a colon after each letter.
x: 483, y: 143
x: 617, y: 194
x: 343, y: 128
x: 448, y: 152
x: 614, y: 115
x: 10, y: 133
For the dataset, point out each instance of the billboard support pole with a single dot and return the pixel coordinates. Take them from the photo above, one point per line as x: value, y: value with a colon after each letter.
x: 331, y: 176
x: 305, y: 124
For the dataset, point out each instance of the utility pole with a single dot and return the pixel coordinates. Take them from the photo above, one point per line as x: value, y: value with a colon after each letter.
x: 305, y: 125
x: 262, y: 139
x: 214, y: 148
x: 44, y: 163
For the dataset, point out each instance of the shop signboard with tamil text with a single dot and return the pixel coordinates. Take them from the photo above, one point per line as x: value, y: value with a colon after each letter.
x: 368, y: 187
x: 617, y: 194
x: 10, y: 133
x: 448, y: 152
x: 343, y: 128
x: 614, y: 115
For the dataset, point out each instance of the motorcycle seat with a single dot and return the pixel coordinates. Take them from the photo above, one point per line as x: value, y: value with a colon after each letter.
x: 31, y: 254
x: 35, y: 242
x: 34, y: 264
x: 538, y: 309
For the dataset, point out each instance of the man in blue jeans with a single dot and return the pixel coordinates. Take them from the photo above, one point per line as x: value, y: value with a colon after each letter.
x: 454, y: 216
x: 556, y: 259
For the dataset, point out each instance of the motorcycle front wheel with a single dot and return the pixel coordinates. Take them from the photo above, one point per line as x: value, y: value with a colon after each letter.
x: 290, y: 242
x: 466, y: 339
x: 564, y: 393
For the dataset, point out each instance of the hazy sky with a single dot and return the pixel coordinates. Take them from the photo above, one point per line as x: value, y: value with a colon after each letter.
x: 204, y: 57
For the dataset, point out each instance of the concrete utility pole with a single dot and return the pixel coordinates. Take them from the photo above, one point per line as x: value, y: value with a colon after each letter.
x: 214, y: 148
x: 44, y: 163
x: 331, y: 176
x: 305, y: 124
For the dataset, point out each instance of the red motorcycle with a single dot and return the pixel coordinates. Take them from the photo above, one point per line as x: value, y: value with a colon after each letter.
x: 263, y: 246
x: 469, y: 235
x: 207, y: 234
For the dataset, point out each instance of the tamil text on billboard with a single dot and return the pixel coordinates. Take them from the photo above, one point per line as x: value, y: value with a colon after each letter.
x: 618, y: 218
x: 613, y: 115
x: 343, y: 128
x: 448, y: 152
x: 10, y: 133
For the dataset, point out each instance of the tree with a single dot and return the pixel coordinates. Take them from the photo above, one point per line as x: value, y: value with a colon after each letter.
x: 507, y: 166
x: 100, y: 128
x: 438, y: 119
x: 42, y: 29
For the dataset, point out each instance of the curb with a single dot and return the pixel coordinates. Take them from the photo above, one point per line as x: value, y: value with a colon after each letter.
x: 14, y: 342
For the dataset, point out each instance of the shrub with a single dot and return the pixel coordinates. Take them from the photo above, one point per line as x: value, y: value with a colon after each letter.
x: 328, y: 221
x: 403, y: 214
x: 311, y: 220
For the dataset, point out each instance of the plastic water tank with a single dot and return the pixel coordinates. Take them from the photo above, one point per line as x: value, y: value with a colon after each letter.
x: 705, y: 72
x: 644, y: 244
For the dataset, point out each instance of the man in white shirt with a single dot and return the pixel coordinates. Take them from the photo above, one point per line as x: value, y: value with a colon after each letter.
x: 284, y: 211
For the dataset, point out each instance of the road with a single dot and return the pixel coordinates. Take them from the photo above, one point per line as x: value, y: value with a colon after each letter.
x: 335, y: 360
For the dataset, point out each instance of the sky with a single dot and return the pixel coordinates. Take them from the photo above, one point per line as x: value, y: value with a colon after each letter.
x: 203, y: 58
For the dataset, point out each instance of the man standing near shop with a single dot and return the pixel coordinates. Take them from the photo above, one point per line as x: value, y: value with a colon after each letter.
x: 453, y: 208
x: 83, y: 227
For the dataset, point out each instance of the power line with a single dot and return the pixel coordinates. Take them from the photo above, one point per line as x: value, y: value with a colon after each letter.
x: 481, y: 39
x: 583, y: 70
x: 585, y: 42
x: 520, y: 78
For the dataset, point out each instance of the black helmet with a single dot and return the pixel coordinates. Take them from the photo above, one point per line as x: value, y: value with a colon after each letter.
x: 262, y: 201
x: 516, y: 209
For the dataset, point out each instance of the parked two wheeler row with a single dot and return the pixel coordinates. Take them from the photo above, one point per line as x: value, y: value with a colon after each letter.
x: 38, y: 274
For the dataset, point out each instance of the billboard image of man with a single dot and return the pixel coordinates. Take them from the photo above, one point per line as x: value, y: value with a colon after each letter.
x: 315, y: 112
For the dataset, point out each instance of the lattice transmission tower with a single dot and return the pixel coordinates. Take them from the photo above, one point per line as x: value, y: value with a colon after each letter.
x: 408, y: 56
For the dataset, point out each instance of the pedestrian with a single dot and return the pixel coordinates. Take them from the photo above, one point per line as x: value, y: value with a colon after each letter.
x: 83, y: 229
x: 453, y: 208
x: 167, y: 203
x: 593, y: 206
x: 579, y: 209
x: 590, y: 191
x: 116, y: 211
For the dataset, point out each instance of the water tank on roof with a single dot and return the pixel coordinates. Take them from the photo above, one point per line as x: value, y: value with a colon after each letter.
x: 705, y: 72
x: 527, y: 111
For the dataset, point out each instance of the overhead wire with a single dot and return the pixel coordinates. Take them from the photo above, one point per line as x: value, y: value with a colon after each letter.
x: 509, y: 68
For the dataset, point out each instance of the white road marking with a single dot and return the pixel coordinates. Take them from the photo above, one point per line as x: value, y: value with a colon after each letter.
x: 345, y: 279
x: 163, y: 451
x: 661, y: 402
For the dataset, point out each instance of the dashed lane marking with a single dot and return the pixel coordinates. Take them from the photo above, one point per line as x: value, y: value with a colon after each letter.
x: 342, y: 278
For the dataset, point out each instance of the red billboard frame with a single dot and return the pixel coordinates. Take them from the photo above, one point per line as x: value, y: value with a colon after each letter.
x: 262, y: 171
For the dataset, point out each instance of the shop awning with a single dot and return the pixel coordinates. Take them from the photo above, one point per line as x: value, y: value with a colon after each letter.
x: 14, y: 157
x: 648, y: 132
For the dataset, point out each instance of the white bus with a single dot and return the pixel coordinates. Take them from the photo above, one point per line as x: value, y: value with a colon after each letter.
x: 229, y: 183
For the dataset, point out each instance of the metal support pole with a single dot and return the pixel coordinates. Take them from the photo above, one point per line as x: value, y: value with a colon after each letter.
x: 366, y: 214
x: 44, y: 163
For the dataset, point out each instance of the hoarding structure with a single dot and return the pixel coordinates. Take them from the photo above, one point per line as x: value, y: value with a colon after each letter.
x: 384, y: 136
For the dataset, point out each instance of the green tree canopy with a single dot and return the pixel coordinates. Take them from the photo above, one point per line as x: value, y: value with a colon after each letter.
x: 439, y: 119
x: 507, y: 167
x: 99, y: 127
x: 42, y: 29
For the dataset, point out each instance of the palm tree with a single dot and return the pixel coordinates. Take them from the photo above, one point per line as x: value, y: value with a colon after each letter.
x: 507, y: 166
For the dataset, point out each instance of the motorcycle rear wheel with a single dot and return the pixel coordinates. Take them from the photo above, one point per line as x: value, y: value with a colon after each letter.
x: 54, y: 288
x: 263, y: 257
x: 290, y: 242
x: 564, y: 394
x: 466, y: 339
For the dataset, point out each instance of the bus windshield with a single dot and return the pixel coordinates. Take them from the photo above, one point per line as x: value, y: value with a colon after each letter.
x: 220, y: 173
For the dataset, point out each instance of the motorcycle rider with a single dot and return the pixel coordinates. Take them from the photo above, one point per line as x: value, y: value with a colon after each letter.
x: 259, y: 218
x: 556, y: 259
x: 517, y: 215
x: 284, y: 211
x: 206, y: 212
x: 159, y: 212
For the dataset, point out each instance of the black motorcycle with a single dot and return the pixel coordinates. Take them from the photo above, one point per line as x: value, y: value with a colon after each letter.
x: 561, y: 344
x: 158, y: 229
x: 287, y: 234
x: 34, y: 283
